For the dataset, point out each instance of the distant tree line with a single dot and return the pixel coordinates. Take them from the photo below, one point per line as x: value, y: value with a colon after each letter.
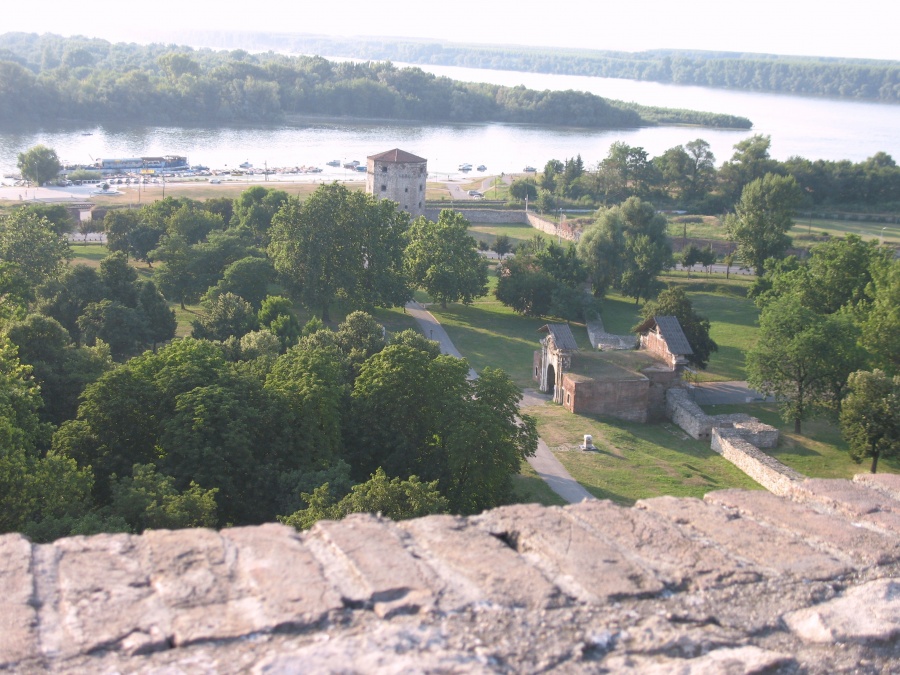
x: 818, y: 76
x: 48, y: 79
x: 686, y: 177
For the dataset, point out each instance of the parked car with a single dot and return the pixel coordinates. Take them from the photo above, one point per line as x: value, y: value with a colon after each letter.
x: 475, y: 193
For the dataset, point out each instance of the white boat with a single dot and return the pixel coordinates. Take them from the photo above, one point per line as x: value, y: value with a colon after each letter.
x: 465, y: 167
x: 482, y: 167
x: 334, y: 162
x: 245, y: 165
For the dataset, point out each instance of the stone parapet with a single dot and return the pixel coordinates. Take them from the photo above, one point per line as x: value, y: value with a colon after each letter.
x: 742, y: 581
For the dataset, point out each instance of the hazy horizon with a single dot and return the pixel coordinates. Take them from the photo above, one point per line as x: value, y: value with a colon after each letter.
x: 866, y: 29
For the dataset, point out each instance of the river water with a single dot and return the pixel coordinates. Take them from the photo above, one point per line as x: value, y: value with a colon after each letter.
x: 816, y: 128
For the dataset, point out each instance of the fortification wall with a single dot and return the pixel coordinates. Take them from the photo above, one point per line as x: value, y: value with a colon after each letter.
x: 741, y: 581
x: 764, y: 469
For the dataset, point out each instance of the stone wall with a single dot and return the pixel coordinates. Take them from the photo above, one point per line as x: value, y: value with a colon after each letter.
x: 683, y: 411
x: 739, y: 582
x: 498, y: 216
x: 764, y: 469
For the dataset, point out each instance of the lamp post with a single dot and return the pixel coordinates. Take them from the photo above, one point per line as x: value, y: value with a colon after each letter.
x: 882, y: 235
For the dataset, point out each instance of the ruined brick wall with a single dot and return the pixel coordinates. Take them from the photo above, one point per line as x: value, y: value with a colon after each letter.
x: 741, y: 581
x: 622, y: 399
x: 764, y: 469
x: 660, y: 382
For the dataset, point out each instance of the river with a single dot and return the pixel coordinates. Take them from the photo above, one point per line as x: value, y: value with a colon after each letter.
x: 816, y: 128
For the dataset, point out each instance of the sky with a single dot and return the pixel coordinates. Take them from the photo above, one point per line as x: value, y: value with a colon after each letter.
x: 856, y: 29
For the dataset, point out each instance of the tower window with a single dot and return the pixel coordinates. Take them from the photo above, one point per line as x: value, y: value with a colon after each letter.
x: 406, y: 189
x: 383, y: 169
x: 384, y: 188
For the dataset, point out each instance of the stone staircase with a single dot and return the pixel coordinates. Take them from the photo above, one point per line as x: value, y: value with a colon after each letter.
x: 739, y: 582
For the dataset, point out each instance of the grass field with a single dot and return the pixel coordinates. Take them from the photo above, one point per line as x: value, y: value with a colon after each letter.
x: 634, y: 461
x: 819, y: 452
x: 516, y: 232
x: 805, y: 232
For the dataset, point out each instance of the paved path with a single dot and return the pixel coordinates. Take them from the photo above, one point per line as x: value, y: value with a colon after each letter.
x: 544, y: 462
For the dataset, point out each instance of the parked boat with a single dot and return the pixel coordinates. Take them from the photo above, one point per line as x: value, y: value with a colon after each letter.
x: 351, y: 165
x: 482, y: 167
x: 361, y: 167
x: 465, y: 167
x: 245, y: 165
x: 334, y: 162
x: 530, y: 169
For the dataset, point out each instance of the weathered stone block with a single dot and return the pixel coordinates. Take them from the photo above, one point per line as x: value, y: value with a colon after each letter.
x: 479, y: 566
x: 887, y: 483
x: 572, y: 555
x: 864, y: 613
x: 18, y: 618
x: 768, y: 549
x: 365, y: 558
x: 661, y: 546
x: 843, y: 497
x: 96, y: 593
x: 835, y: 535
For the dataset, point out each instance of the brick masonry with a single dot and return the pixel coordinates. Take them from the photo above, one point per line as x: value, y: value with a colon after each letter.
x: 740, y: 582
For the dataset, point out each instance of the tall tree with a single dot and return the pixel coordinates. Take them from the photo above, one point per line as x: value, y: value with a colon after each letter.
x: 674, y: 302
x: 39, y: 164
x: 762, y: 219
x: 341, y: 245
x: 29, y: 241
x: 443, y: 259
x: 798, y: 357
x: 870, y: 417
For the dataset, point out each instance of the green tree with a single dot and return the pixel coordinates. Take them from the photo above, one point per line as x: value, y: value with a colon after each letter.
x: 178, y: 279
x: 120, y: 327
x: 277, y: 315
x: 523, y: 189
x: 28, y: 240
x: 39, y: 164
x: 248, y: 277
x: 442, y: 258
x: 674, y: 302
x: 870, y: 417
x: 486, y: 449
x: 159, y: 320
x: 501, y: 246
x: 524, y: 286
x: 762, y: 219
x: 392, y: 498
x: 254, y: 210
x: 880, y: 321
x: 341, y: 245
x: 148, y: 500
x: 798, y: 357
x: 65, y: 298
x: 225, y: 315
x: 57, y: 215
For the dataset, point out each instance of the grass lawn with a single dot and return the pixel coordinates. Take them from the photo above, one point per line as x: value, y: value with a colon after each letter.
x: 634, y: 461
x: 819, y: 452
x: 517, y: 232
x: 529, y: 488
x: 806, y: 227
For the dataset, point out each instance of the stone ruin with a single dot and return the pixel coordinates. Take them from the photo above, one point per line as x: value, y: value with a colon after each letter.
x: 742, y: 581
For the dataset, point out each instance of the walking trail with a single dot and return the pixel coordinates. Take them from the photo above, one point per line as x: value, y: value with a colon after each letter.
x: 544, y: 462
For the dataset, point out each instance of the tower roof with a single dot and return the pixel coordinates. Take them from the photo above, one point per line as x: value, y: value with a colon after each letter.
x: 671, y: 331
x: 396, y: 155
x: 562, y: 336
